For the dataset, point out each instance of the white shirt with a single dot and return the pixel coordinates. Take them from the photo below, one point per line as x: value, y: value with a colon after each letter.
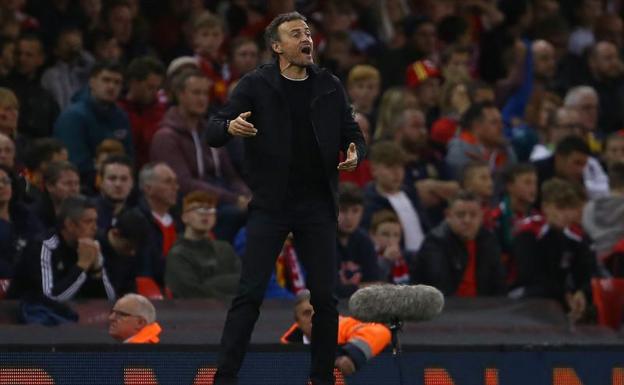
x: 412, y: 229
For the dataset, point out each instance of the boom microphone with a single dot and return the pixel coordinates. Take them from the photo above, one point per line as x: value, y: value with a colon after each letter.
x: 391, y: 303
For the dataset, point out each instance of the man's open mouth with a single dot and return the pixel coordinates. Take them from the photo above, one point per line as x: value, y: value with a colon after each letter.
x: 306, y: 49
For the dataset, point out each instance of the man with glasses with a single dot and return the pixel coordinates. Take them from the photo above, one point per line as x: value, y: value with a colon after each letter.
x: 133, y: 321
x: 197, y: 265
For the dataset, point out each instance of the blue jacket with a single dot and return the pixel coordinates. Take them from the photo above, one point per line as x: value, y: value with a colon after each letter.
x: 85, y: 124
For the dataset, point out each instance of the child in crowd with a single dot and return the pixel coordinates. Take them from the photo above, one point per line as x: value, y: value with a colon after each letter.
x: 477, y: 178
x: 207, y: 39
x: 363, y: 85
x: 614, y: 149
x: 386, y: 233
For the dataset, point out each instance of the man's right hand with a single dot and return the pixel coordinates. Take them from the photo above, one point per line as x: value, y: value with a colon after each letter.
x: 241, y: 127
x: 88, y: 253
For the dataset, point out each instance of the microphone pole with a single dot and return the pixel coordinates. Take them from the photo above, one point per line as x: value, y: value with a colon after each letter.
x: 396, y: 326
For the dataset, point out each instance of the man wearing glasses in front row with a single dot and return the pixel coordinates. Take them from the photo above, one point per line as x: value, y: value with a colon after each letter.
x: 133, y: 321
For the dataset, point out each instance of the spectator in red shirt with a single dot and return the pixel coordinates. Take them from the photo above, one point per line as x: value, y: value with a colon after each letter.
x: 145, y: 77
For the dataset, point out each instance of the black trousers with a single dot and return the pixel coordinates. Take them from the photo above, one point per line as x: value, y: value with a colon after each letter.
x: 314, y: 226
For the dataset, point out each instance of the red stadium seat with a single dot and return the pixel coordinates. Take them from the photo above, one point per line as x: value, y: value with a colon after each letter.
x: 147, y: 287
x: 608, y: 294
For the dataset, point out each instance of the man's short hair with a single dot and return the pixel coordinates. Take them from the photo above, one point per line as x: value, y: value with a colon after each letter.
x: 562, y: 193
x: 474, y: 114
x: 207, y: 20
x: 145, y: 309
x: 388, y: 153
x: 53, y: 173
x: 464, y: 196
x: 132, y: 226
x: 41, y: 151
x: 271, y: 33
x: 178, y: 82
x: 363, y: 72
x: 383, y: 216
x: 616, y: 176
x: 109, y: 66
x: 198, y: 196
x: 514, y: 171
x: 451, y: 28
x: 72, y: 208
x: 571, y: 144
x: 469, y: 169
x: 140, y: 68
x: 148, y: 173
x: 349, y: 194
x: 116, y: 159
x: 111, y: 147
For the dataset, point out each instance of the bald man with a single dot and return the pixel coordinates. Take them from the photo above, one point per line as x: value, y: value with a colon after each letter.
x: 133, y: 321
x: 544, y: 63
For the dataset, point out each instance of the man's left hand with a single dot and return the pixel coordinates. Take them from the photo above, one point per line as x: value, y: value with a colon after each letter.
x: 345, y: 365
x: 351, y: 162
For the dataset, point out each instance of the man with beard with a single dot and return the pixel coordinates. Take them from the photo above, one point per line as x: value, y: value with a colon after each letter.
x: 425, y: 169
x: 295, y: 119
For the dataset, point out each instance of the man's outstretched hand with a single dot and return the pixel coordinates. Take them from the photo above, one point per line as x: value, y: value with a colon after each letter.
x: 351, y: 162
x: 241, y: 127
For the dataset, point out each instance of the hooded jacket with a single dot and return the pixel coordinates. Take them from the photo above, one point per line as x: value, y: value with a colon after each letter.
x: 268, y: 153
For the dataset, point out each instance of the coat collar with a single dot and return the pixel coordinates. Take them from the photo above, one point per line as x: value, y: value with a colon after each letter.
x: 271, y: 73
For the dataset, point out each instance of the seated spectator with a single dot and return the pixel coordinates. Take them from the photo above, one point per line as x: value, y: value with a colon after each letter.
x: 553, y: 256
x: 568, y: 162
x: 357, y: 262
x: 17, y: 224
x: 104, y: 150
x: 516, y: 206
x: 9, y: 113
x: 159, y: 186
x: 117, y: 182
x: 614, y: 150
x: 198, y: 166
x: 363, y: 86
x: 477, y: 179
x: 38, y: 109
x: 7, y: 56
x: 67, y: 265
x: 105, y: 46
x: 244, y: 56
x: 388, y: 192
x: 133, y: 321
x: 423, y: 77
x: 94, y: 118
x: 145, y: 110
x: 358, y: 342
x: 207, y: 34
x: 585, y: 100
x: 460, y: 257
x: 482, y: 139
x: 61, y: 181
x: 386, y: 233
x: 603, y: 220
x: 120, y: 244
x: 38, y: 157
x: 70, y: 73
x: 454, y: 102
x: 198, y: 266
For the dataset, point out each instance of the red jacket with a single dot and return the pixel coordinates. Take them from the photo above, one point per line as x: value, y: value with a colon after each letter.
x: 144, y: 121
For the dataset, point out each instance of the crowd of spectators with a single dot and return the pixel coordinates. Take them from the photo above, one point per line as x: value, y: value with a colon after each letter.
x: 495, y: 132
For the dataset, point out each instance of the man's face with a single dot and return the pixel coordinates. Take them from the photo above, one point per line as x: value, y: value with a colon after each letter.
x: 571, y: 166
x: 425, y: 39
x: 480, y: 182
x: 120, y: 23
x: 207, y: 41
x: 349, y: 218
x: 364, y: 92
x: 614, y: 152
x: 68, y: 185
x: 7, y: 151
x: 524, y: 187
x: 195, y: 96
x: 245, y: 58
x: 388, y: 178
x: 387, y: 234
x: 106, y: 86
x: 164, y: 186
x: 458, y: 65
x: 544, y: 63
x: 464, y: 218
x: 117, y: 182
x: 29, y: 56
x: 69, y: 46
x: 200, y: 217
x: 124, y: 321
x: 559, y: 217
x: 303, y: 316
x: 8, y: 120
x: 568, y: 123
x: 145, y: 91
x: 295, y: 43
x: 587, y: 108
x: 489, y: 129
x: 428, y: 92
x: 606, y: 61
x: 413, y: 134
x: 84, y: 227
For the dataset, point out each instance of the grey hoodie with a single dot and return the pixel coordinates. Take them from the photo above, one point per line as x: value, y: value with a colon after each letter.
x: 603, y: 220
